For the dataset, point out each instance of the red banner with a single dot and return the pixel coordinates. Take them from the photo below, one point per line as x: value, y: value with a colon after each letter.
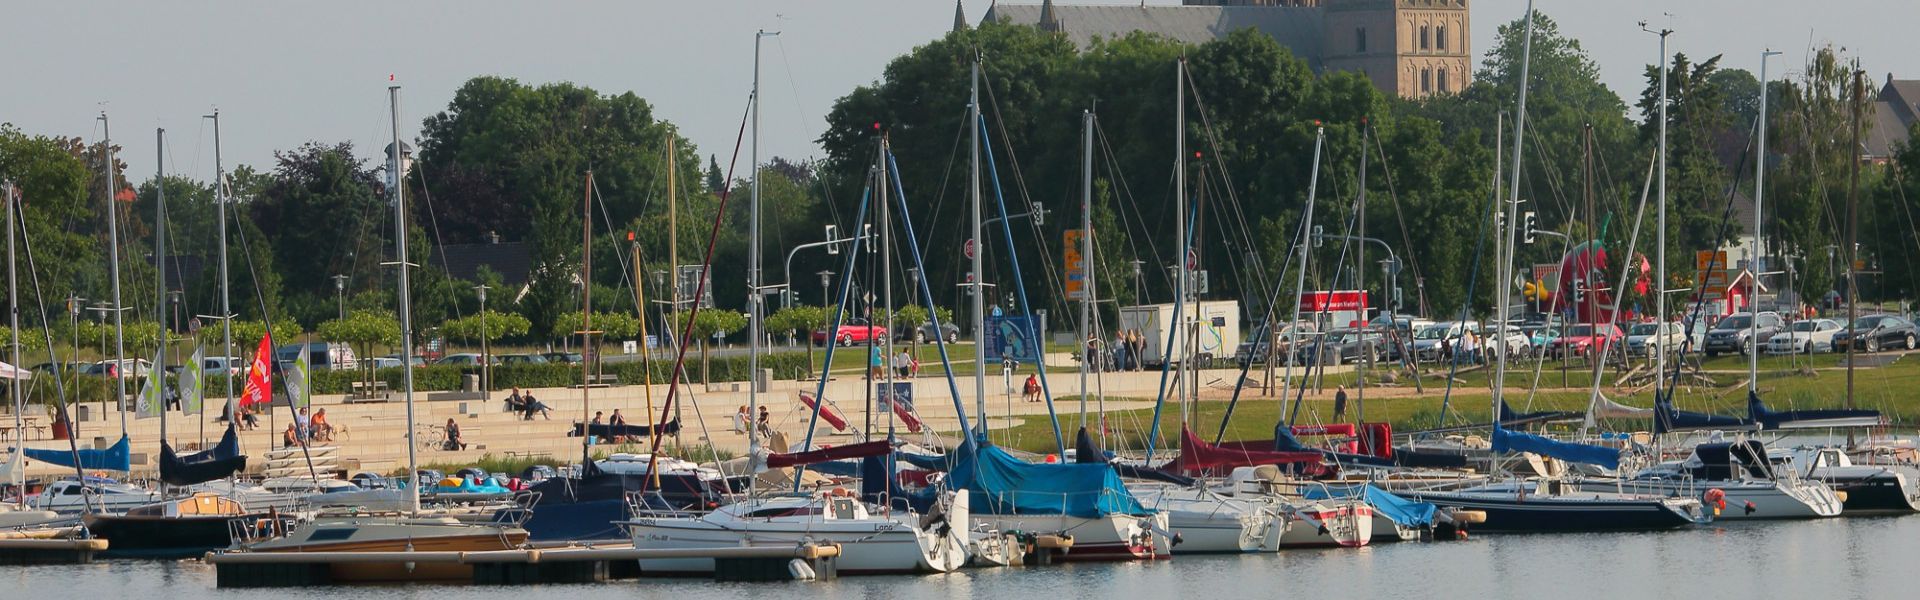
x: 259, y: 379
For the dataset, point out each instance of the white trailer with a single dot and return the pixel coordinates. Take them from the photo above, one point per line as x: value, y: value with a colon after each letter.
x: 1217, y: 323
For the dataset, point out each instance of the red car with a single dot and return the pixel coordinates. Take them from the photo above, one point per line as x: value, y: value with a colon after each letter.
x: 1586, y: 339
x: 855, y: 331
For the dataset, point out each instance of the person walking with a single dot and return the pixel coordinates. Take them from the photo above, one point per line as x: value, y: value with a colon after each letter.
x: 903, y: 364
x: 1339, y: 403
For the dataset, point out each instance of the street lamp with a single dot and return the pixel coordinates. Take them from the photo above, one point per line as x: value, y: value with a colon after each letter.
x: 340, y: 293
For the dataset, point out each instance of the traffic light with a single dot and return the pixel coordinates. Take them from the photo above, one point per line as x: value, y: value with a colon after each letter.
x: 1528, y: 219
x: 832, y: 248
x: 1319, y: 234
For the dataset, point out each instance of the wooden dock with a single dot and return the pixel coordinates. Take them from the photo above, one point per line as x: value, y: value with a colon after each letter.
x: 519, y: 567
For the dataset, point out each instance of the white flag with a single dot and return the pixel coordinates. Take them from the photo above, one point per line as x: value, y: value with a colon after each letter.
x: 192, y: 383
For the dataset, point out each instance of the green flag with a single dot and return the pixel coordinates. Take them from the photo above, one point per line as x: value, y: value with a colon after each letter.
x: 299, y: 392
x: 152, y: 398
x: 192, y: 383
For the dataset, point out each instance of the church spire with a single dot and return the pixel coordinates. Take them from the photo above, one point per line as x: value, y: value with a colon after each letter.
x: 959, y: 15
x: 1048, y: 20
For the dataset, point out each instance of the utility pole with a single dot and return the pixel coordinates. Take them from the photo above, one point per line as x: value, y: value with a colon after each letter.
x: 486, y: 356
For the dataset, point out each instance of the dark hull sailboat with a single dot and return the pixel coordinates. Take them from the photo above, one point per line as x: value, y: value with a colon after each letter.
x: 174, y: 529
x: 1509, y: 509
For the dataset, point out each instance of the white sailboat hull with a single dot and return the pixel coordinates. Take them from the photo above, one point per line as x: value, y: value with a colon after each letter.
x: 1745, y: 499
x: 868, y: 546
x: 1108, y: 538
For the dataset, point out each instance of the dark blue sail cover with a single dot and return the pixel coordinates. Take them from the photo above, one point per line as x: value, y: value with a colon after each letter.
x: 1285, y: 441
x: 1510, y: 416
x: 117, y: 457
x: 1667, y: 419
x: 1505, y: 440
x: 223, y: 460
x: 1807, y: 419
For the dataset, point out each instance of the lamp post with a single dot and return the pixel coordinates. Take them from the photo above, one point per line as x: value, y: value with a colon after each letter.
x: 74, y: 304
x: 486, y: 357
x: 340, y: 293
x: 826, y: 281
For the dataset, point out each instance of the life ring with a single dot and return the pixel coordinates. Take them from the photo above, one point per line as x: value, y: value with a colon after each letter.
x: 1716, y: 498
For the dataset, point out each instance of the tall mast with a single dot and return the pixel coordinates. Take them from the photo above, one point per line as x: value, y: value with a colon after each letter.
x: 1300, y: 277
x: 1853, y: 233
x: 158, y: 376
x: 1504, y: 242
x: 755, y: 307
x: 886, y: 286
x: 1180, y: 225
x: 113, y: 270
x: 226, y: 310
x: 979, y: 265
x: 1759, y: 193
x: 13, y: 347
x: 586, y: 319
x: 405, y: 295
x: 673, y: 259
x: 1660, y: 233
x: 1087, y: 335
x: 1360, y: 283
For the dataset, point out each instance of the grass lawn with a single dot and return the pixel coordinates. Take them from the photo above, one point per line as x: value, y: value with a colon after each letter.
x: 1889, y: 389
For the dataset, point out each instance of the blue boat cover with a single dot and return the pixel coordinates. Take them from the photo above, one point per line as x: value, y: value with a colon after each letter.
x: 1807, y: 419
x: 217, y: 462
x: 1667, y: 419
x: 929, y: 462
x: 1407, y: 513
x: 1000, y: 484
x: 1505, y: 440
x: 1512, y: 417
x: 115, y: 458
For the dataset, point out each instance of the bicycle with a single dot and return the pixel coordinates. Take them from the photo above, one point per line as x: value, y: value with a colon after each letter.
x: 430, y: 437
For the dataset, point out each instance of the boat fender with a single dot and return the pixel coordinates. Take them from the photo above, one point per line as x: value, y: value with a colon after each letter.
x: 1840, y: 495
x: 1716, y: 498
x: 1470, y: 516
x: 1750, y: 508
x: 800, y: 570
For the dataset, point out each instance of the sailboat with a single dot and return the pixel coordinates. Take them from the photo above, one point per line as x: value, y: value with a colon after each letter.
x: 412, y: 530
x: 18, y: 515
x: 1738, y: 473
x: 873, y: 539
x: 1549, y: 503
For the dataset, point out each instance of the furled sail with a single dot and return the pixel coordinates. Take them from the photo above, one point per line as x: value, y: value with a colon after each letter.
x: 117, y: 457
x: 1807, y: 419
x: 219, y: 462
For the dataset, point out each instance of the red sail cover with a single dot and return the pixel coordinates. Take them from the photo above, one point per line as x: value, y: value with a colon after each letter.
x: 827, y: 413
x: 1198, y: 457
x: 900, y: 409
x: 259, y: 388
x: 861, y: 450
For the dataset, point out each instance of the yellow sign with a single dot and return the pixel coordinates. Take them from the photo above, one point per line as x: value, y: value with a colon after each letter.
x: 1712, y: 266
x: 1076, y: 265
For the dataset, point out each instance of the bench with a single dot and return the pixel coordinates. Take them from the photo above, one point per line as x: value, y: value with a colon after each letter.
x: 361, y: 391
x: 600, y: 381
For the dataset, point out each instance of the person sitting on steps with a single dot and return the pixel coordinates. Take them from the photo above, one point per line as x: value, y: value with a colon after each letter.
x: 453, y: 437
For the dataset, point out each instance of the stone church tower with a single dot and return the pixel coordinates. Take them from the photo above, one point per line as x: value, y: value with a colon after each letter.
x: 1411, y: 48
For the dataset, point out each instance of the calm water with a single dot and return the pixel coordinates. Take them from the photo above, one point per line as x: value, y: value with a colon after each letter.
x: 1834, y: 558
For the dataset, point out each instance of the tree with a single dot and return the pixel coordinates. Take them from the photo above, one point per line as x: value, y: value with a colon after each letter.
x: 363, y: 328
x: 322, y: 214
x: 247, y: 334
x: 799, y: 320
x: 709, y: 323
x: 492, y: 326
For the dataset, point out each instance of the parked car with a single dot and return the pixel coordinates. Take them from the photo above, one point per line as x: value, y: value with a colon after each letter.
x: 1731, y: 334
x: 323, y: 355
x: 383, y: 362
x: 231, y: 365
x: 65, y: 367
x: 1255, y: 348
x: 1519, y: 344
x: 1877, y: 332
x: 854, y: 331
x: 1427, y: 342
x: 139, y: 367
x: 1652, y: 339
x: 926, y: 333
x: 1585, y: 339
x: 1805, y: 337
x: 1343, y: 346
x: 520, y: 359
x: 418, y: 360
x: 464, y: 359
x: 565, y: 358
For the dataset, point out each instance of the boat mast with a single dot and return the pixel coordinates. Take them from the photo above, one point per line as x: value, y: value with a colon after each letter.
x: 1660, y: 235
x: 1181, y: 277
x: 1088, y: 338
x: 1853, y: 235
x: 886, y: 288
x: 405, y: 297
x: 158, y: 376
x: 113, y: 270
x: 1300, y: 276
x: 755, y: 307
x: 1503, y: 243
x: 1360, y: 283
x: 587, y: 358
x: 978, y: 281
x: 17, y: 468
x: 226, y: 311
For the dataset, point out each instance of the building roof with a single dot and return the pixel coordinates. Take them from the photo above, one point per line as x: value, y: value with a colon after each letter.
x: 1894, y: 112
x: 1297, y: 28
x: 512, y: 260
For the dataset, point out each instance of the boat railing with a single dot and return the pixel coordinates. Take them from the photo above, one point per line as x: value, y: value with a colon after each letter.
x: 647, y: 504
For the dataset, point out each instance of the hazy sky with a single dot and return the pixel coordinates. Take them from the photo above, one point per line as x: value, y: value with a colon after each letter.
x: 286, y: 73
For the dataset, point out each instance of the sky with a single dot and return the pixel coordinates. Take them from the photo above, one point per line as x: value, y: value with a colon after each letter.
x: 282, y: 74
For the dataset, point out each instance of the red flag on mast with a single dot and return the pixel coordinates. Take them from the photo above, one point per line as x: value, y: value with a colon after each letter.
x: 259, y: 379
